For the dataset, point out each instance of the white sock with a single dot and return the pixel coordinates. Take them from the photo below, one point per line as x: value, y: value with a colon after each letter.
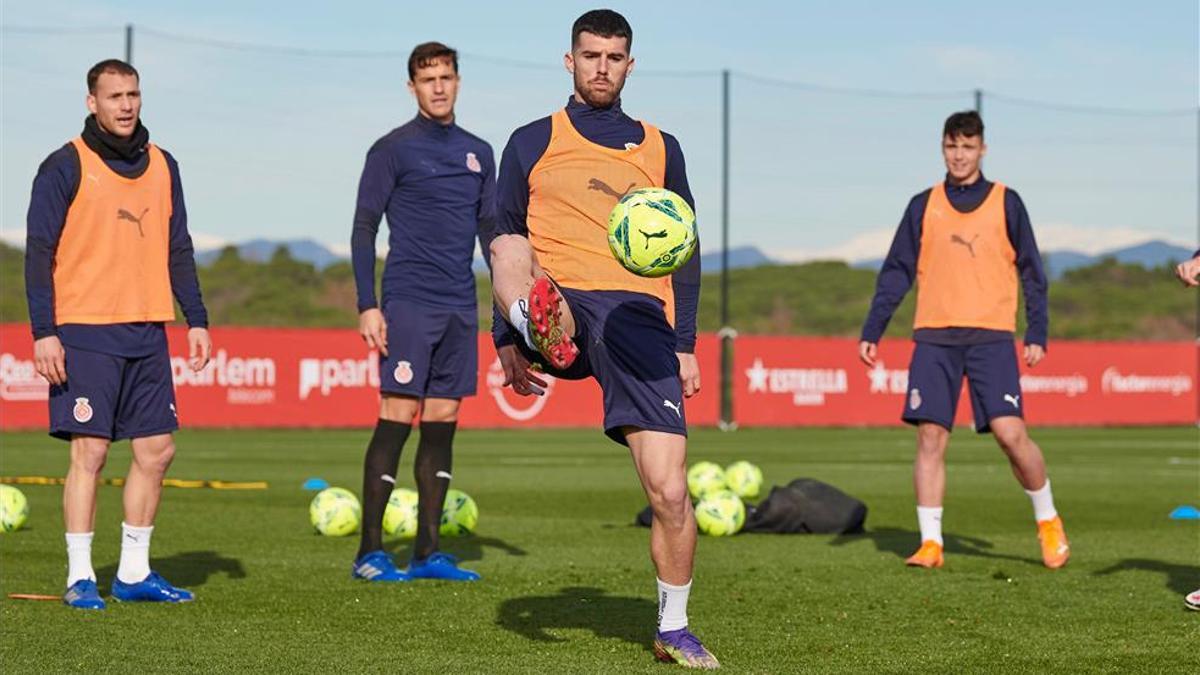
x: 518, y: 316
x: 1043, y: 502
x: 135, y: 553
x: 672, y: 606
x: 930, y: 520
x: 79, y: 557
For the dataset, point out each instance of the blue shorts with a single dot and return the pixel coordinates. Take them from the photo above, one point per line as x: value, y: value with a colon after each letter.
x: 114, y: 397
x: 625, y: 343
x: 433, y: 352
x: 935, y: 380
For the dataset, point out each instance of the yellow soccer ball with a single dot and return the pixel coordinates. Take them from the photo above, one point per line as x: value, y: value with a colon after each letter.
x: 400, y: 514
x: 14, y: 508
x: 460, y: 515
x: 335, y: 512
x: 705, y: 477
x: 652, y: 232
x: 744, y: 479
x: 720, y: 514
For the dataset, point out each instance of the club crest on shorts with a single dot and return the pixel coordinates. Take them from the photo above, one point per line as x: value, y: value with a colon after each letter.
x: 914, y: 399
x: 83, y: 411
x: 473, y: 163
x: 403, y: 372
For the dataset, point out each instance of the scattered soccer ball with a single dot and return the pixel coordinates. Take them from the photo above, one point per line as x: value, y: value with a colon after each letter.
x: 460, y: 515
x: 400, y: 514
x: 14, y: 508
x: 744, y: 479
x: 335, y: 512
x: 705, y: 477
x: 720, y: 514
x: 652, y: 232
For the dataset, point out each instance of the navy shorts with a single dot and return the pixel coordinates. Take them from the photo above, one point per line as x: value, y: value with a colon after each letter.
x: 114, y: 397
x: 625, y: 343
x: 433, y: 352
x: 935, y: 380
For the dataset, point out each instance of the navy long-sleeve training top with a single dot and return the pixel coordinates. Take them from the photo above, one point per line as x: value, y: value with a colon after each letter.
x: 611, y: 128
x: 900, y: 269
x: 54, y: 188
x: 435, y: 183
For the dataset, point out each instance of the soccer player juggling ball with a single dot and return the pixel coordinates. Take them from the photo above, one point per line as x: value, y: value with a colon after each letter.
x: 573, y: 309
x: 435, y: 181
x: 965, y: 242
x: 107, y: 247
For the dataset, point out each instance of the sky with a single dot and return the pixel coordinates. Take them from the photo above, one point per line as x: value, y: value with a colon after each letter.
x: 835, y: 116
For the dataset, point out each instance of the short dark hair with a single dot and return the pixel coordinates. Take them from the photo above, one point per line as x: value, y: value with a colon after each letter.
x: 428, y: 53
x: 109, y: 66
x: 603, y: 22
x: 966, y: 123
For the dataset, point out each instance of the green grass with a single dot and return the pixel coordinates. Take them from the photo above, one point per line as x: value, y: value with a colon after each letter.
x: 568, y: 586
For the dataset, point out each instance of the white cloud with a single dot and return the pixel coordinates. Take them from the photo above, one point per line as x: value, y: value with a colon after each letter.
x: 867, y: 245
x: 972, y: 60
x: 207, y: 242
x: 340, y: 249
x: 12, y: 237
x: 1093, y: 240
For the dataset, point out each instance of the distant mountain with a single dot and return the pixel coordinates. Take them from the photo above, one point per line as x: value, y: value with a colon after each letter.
x: 742, y: 256
x: 1149, y: 254
x: 261, y: 250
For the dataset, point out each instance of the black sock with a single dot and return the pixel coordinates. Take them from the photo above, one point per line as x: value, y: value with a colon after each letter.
x: 379, y: 479
x: 433, y: 458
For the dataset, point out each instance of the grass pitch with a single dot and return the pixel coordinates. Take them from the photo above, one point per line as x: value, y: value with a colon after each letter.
x: 568, y: 586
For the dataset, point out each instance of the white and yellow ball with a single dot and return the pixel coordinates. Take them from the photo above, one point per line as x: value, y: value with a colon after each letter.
x: 652, y: 232
x: 460, y: 515
x: 335, y: 512
x: 720, y: 514
x: 400, y: 514
x: 14, y: 508
x: 705, y: 477
x: 744, y: 479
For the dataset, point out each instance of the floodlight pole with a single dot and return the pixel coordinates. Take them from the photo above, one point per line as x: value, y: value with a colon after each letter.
x: 129, y: 43
x: 979, y: 101
x: 727, y: 332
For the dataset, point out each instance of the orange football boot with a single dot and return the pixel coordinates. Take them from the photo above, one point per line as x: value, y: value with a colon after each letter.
x: 1055, y: 549
x: 929, y: 555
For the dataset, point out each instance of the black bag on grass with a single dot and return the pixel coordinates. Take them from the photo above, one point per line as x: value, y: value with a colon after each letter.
x: 807, y: 506
x: 804, y: 506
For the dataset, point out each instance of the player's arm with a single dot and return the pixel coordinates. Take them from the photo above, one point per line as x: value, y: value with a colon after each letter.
x: 685, y: 282
x: 1189, y: 271
x: 185, y: 284
x: 524, y: 148
x: 895, y: 277
x: 374, y: 189
x: 1033, y: 277
x: 54, y: 187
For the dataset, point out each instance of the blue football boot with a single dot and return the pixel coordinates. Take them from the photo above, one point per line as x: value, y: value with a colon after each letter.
x: 440, y: 566
x: 377, y: 566
x: 680, y: 646
x: 83, y: 594
x: 153, y: 588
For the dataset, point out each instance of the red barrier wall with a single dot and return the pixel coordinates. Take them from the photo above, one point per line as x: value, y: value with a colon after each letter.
x: 266, y: 377
x: 795, y: 381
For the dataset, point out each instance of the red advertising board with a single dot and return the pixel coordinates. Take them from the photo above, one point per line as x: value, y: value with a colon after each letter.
x: 796, y: 381
x: 268, y: 377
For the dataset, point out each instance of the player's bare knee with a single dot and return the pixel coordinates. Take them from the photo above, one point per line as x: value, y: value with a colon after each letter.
x: 155, y: 457
x: 1011, y: 439
x: 669, y: 500
x: 931, y: 440
x: 89, y: 454
x: 402, y: 409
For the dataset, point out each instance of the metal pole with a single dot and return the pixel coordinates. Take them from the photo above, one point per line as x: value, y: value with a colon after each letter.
x: 979, y: 101
x: 726, y: 332
x: 129, y: 43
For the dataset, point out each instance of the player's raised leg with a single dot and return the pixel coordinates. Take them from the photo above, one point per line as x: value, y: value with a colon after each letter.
x: 661, y: 461
x: 431, y: 471
x: 532, y: 302
x: 382, y: 459
x: 1029, y: 466
x: 88, y: 455
x: 135, y: 580
x: 929, y: 481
